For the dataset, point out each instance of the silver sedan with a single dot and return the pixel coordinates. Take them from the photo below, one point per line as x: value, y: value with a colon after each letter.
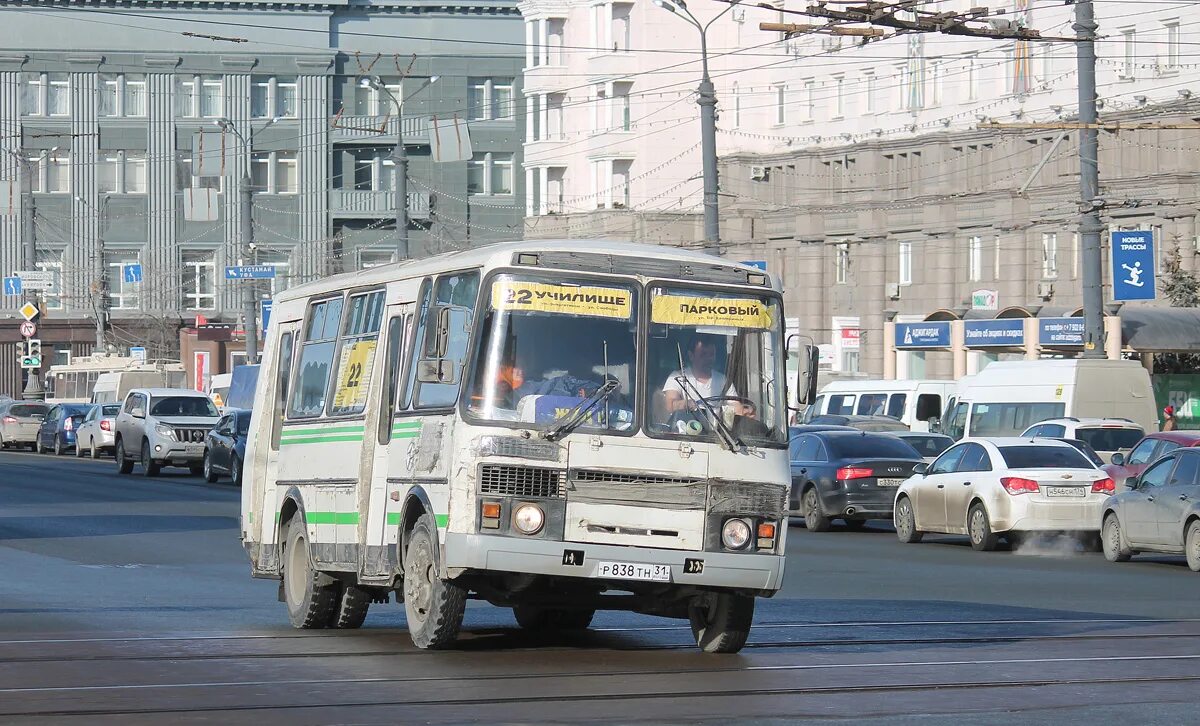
x: 95, y: 434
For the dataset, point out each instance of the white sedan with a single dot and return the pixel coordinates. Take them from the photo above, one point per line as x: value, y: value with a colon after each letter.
x: 988, y: 488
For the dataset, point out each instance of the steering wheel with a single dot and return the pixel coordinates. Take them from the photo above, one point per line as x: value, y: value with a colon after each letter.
x: 692, y: 417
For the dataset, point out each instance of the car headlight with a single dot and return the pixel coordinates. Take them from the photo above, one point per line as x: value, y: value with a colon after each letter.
x: 529, y: 518
x: 735, y: 535
x: 164, y: 431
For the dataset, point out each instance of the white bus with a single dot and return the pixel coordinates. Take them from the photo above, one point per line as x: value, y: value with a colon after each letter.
x: 107, y: 378
x: 915, y: 402
x: 556, y: 427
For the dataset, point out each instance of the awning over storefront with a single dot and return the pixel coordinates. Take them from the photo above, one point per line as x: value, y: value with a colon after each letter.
x: 1161, y: 330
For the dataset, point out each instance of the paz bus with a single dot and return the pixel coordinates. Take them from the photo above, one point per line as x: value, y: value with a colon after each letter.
x: 553, y: 427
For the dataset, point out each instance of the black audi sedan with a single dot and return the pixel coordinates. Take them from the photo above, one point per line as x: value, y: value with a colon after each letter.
x: 847, y: 475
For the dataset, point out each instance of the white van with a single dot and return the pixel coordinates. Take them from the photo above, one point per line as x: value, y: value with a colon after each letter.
x: 914, y: 402
x: 1008, y: 397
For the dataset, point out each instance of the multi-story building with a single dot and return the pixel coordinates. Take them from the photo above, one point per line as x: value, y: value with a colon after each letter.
x: 612, y: 141
x: 100, y: 103
x: 879, y: 192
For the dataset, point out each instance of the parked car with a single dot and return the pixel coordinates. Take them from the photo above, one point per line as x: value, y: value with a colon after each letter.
x: 225, y: 447
x: 1159, y: 511
x: 1107, y: 436
x: 97, y: 432
x: 163, y: 427
x: 19, y: 422
x: 847, y: 475
x: 929, y: 446
x: 1147, y: 450
x: 862, y: 423
x: 1004, y: 487
x: 57, y: 430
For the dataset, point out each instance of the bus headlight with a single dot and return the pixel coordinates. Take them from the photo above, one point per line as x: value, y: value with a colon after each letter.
x: 735, y: 535
x: 528, y: 518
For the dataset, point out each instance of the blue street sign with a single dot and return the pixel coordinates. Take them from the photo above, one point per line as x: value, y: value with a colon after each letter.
x: 250, y: 272
x: 265, y: 307
x: 923, y: 335
x: 1133, y: 265
x: 132, y: 273
x: 137, y: 351
x: 1060, y: 332
x: 12, y: 286
x: 994, y: 333
x: 760, y: 264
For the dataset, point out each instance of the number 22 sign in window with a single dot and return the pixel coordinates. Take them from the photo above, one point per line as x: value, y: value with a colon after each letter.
x: 354, y: 376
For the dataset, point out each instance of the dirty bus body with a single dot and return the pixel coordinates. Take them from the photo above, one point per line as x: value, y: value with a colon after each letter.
x: 552, y: 427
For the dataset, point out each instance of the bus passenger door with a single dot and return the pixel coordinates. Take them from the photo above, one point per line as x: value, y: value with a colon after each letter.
x: 270, y: 404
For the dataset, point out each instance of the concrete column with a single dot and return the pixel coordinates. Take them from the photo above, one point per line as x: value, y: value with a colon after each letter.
x: 236, y: 109
x: 958, y: 348
x: 10, y: 237
x: 543, y: 190
x: 161, y: 252
x: 82, y: 248
x: 314, y: 259
x: 544, y: 40
x: 530, y: 210
x: 543, y: 116
x: 606, y: 17
x: 1033, y: 348
x: 1112, y: 337
x: 889, y: 351
x: 530, y: 40
x: 529, y: 126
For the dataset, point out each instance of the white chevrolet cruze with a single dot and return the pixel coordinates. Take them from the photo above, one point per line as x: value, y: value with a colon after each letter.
x: 1003, y: 487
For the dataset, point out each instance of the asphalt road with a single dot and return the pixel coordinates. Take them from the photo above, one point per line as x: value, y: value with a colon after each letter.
x: 128, y: 600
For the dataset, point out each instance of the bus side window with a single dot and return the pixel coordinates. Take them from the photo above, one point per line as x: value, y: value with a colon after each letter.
x: 391, y: 372
x: 448, y: 342
x: 416, y: 344
x: 283, y: 372
x: 929, y: 405
x: 896, y: 405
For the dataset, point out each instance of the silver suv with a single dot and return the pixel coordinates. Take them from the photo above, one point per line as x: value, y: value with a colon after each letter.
x: 163, y: 427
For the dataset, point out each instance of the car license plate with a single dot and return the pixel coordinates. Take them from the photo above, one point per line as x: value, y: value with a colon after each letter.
x: 633, y: 571
x: 889, y: 482
x: 194, y: 448
x: 1066, y: 492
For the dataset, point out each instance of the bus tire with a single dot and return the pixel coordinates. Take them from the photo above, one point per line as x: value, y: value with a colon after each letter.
x: 434, y: 607
x: 532, y: 617
x: 721, y: 621
x: 124, y: 463
x: 311, y: 600
x: 351, y: 608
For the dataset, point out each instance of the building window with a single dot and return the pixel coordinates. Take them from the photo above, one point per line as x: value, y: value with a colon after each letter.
x: 58, y: 100
x: 374, y: 170
x: 621, y: 176
x: 123, y: 95
x: 124, y: 295
x: 1172, y: 56
x: 809, y: 100
x: 272, y: 97
x: 935, y: 83
x: 199, y: 281
x: 870, y: 88
x: 780, y: 105
x: 621, y: 110
x: 373, y: 258
x: 975, y: 259
x: 52, y: 174
x: 201, y: 97
x: 1129, y: 44
x: 122, y: 172
x: 274, y: 172
x: 737, y: 106
x: 46, y: 94
x: 621, y: 27
x: 52, y: 296
x: 905, y: 266
x: 839, y: 96
x: 972, y: 78
x: 490, y: 173
x: 842, y: 264
x: 490, y: 99
x: 1049, y: 255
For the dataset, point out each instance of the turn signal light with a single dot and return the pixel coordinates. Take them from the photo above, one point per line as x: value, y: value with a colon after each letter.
x: 1104, y: 486
x: 854, y: 472
x: 1019, y: 485
x: 766, y: 530
x: 491, y: 514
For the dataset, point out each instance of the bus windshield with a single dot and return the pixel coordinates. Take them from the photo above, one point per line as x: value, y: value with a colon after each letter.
x: 547, y: 345
x: 720, y: 353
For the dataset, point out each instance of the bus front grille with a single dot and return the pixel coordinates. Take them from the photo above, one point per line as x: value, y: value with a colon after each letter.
x: 521, y: 481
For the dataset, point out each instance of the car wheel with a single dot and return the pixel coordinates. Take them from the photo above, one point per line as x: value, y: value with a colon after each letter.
x: 980, y: 529
x: 37, y: 446
x: 58, y: 445
x: 721, y: 621
x: 434, y: 607
x: 124, y: 463
x: 814, y: 519
x: 150, y: 467
x: 310, y: 595
x: 1191, y: 545
x: 210, y: 476
x: 78, y: 449
x: 235, y: 469
x: 1115, y: 549
x: 905, y: 521
x: 93, y: 451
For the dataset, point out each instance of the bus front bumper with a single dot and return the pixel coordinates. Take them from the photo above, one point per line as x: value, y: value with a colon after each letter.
x: 563, y: 559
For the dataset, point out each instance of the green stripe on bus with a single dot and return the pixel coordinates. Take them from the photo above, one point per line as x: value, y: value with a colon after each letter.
x: 441, y: 520
x: 320, y: 439
x: 330, y: 430
x: 331, y: 517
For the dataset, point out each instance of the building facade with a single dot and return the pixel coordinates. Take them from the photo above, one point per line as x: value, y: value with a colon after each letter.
x: 102, y: 134
x: 880, y: 192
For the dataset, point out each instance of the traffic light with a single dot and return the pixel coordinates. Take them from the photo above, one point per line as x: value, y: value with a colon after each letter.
x: 33, y: 354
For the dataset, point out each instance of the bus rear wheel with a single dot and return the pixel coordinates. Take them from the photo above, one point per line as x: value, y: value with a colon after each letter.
x: 532, y: 617
x: 310, y: 597
x: 351, y: 609
x: 721, y: 621
x: 434, y: 607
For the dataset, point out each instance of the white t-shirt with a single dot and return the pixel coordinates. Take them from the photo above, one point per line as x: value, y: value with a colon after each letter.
x: 714, y: 386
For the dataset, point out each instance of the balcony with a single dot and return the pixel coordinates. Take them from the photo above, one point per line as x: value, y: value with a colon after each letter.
x: 360, y: 204
x: 347, y: 129
x: 545, y: 79
x: 615, y: 64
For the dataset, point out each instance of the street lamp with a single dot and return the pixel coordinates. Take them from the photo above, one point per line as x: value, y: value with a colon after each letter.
x: 246, y: 223
x: 400, y: 157
x: 100, y: 299
x: 707, y: 101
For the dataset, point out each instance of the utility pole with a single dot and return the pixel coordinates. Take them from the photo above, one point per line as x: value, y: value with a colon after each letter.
x: 1089, y: 183
x: 33, y: 382
x: 100, y: 289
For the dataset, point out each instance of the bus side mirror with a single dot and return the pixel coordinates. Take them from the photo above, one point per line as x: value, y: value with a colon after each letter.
x: 435, y: 371
x: 806, y: 371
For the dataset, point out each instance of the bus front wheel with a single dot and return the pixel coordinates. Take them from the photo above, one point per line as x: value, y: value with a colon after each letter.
x: 721, y: 621
x: 433, y: 606
x: 310, y: 598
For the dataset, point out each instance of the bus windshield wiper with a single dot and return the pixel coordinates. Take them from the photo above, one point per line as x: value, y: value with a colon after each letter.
x: 576, y: 416
x: 731, y: 440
